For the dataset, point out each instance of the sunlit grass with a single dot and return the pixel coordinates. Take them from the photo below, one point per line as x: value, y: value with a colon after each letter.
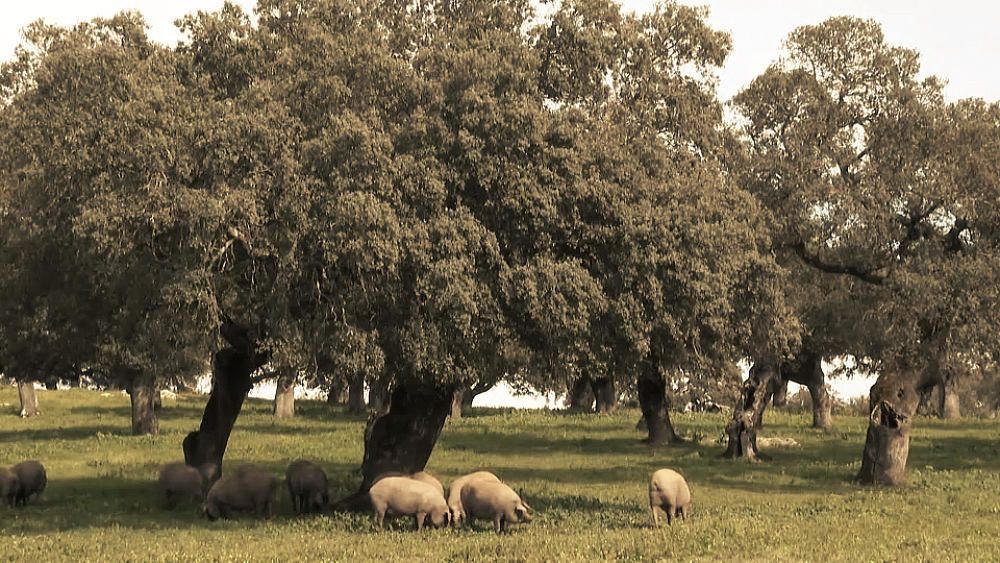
x: 585, y: 475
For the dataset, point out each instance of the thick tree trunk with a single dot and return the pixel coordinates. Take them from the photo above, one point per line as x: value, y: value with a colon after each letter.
x: 780, y: 397
x: 605, y: 395
x: 29, y: 403
x: 337, y: 393
x: 379, y: 397
x: 655, y: 407
x: 231, y: 369
x: 893, y: 402
x: 284, y: 395
x: 580, y: 397
x: 476, y: 390
x: 950, y: 407
x: 142, y: 392
x: 748, y: 412
x: 356, y: 395
x: 402, y: 439
x: 822, y: 406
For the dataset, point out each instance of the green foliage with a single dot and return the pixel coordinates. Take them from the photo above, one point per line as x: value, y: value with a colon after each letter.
x: 586, y: 477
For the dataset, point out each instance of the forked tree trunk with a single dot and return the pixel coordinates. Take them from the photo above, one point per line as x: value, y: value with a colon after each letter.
x: 893, y: 402
x: 476, y: 390
x: 142, y: 392
x: 402, y: 439
x: 284, y: 395
x: 356, y: 395
x: 748, y: 413
x: 605, y: 395
x: 29, y: 403
x: 950, y: 407
x: 655, y: 406
x: 231, y: 368
x: 580, y: 397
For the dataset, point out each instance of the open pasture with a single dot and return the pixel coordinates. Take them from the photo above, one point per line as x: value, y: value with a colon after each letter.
x: 585, y: 475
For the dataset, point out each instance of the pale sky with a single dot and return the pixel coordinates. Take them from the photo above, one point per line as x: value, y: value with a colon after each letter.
x: 958, y: 39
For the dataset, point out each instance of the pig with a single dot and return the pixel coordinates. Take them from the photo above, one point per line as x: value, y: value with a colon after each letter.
x: 426, y: 477
x: 10, y: 485
x: 248, y: 489
x: 307, y: 487
x: 455, y: 493
x: 669, y: 492
x: 32, y: 478
x: 404, y: 496
x: 491, y: 500
x: 179, y: 481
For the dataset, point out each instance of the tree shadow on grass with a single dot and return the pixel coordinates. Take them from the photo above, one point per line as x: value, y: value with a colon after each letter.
x: 66, y: 433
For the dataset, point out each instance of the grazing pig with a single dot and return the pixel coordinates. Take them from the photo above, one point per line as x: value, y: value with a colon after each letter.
x: 248, y: 489
x: 307, y: 486
x: 179, y: 481
x: 32, y: 478
x: 10, y: 485
x: 425, y: 477
x: 491, y: 500
x: 404, y: 496
x: 455, y: 493
x: 669, y: 492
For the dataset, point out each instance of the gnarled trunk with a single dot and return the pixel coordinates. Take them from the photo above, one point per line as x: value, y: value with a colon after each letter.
x: 605, y: 395
x: 822, y: 406
x: 29, y: 403
x: 580, y: 397
x: 402, y: 439
x: 231, y: 368
x: 749, y: 410
x: 143, y: 394
x: 893, y: 402
x: 655, y: 406
x: 780, y: 397
x: 950, y: 407
x: 356, y: 395
x: 284, y: 395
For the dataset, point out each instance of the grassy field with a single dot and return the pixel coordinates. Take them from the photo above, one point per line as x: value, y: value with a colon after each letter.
x: 585, y: 476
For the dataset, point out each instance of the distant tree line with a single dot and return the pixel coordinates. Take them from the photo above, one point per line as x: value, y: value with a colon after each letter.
x: 425, y: 198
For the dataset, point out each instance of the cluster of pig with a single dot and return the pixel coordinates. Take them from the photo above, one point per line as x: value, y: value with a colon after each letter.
x: 250, y: 488
x: 22, y: 481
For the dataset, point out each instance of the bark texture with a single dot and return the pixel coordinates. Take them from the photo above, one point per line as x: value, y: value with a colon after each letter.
x: 655, y: 407
x: 356, y: 395
x: 402, y: 439
x: 580, y: 397
x: 605, y: 395
x: 893, y: 402
x: 284, y: 395
x: 749, y: 411
x: 143, y: 394
x: 231, y: 368
x: 29, y: 402
x: 950, y: 407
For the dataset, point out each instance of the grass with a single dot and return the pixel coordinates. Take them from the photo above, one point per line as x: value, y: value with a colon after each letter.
x: 585, y: 475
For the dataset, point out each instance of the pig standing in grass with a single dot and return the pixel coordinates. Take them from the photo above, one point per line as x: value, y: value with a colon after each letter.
x: 491, y: 500
x: 669, y: 492
x: 9, y: 486
x: 307, y: 486
x: 248, y: 489
x: 455, y: 493
x: 404, y: 496
x: 32, y: 479
x: 179, y: 481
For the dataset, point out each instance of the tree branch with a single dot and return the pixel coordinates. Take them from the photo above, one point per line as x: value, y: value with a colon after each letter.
x: 814, y: 260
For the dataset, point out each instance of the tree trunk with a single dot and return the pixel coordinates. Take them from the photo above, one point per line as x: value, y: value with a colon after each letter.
x: 581, y: 395
x: 231, y: 368
x: 29, y: 403
x: 356, y: 395
x: 379, y: 396
x: 402, y: 439
x: 284, y: 395
x: 822, y: 406
x: 893, y: 402
x: 605, y: 395
x: 950, y: 407
x: 456, y: 402
x: 780, y: 397
x: 655, y: 407
x: 476, y: 390
x: 157, y: 400
x: 337, y: 393
x: 142, y: 392
x: 749, y: 410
